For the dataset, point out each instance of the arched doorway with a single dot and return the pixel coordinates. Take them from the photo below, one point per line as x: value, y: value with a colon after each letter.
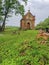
x: 28, y: 25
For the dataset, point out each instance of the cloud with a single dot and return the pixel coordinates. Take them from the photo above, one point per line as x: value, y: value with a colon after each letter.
x: 47, y: 1
x: 39, y: 8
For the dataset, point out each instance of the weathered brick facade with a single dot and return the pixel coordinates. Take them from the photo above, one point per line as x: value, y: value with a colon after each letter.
x: 28, y: 21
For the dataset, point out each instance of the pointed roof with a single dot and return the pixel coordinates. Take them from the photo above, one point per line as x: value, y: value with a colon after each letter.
x: 29, y: 14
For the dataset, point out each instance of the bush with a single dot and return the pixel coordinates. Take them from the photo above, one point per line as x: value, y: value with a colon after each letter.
x: 43, y: 25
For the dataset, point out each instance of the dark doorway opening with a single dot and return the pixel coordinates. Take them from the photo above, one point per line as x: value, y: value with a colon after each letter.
x: 28, y: 25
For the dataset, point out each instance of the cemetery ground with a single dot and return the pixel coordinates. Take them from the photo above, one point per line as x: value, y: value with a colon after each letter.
x: 18, y: 47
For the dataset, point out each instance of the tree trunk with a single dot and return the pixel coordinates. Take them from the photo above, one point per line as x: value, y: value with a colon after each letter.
x: 3, y: 25
x: 7, y: 10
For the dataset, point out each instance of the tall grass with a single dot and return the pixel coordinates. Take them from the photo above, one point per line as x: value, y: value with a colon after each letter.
x: 19, y: 47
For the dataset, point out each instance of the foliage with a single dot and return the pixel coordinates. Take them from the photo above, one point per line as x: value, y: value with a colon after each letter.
x: 7, y: 6
x: 44, y: 24
x: 1, y: 10
x: 1, y: 18
x: 19, y: 47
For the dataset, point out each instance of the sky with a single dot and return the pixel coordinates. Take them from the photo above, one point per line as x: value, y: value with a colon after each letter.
x: 39, y: 8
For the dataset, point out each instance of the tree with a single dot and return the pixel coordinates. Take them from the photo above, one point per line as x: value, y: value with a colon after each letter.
x: 44, y: 24
x: 8, y: 6
x: 0, y: 9
x: 1, y: 18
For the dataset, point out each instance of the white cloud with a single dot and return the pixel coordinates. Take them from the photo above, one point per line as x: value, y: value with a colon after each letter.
x: 39, y: 8
x: 42, y: 1
x: 39, y: 0
x: 47, y: 1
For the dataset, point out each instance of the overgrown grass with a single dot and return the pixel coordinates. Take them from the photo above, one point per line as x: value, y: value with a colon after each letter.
x: 19, y: 47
